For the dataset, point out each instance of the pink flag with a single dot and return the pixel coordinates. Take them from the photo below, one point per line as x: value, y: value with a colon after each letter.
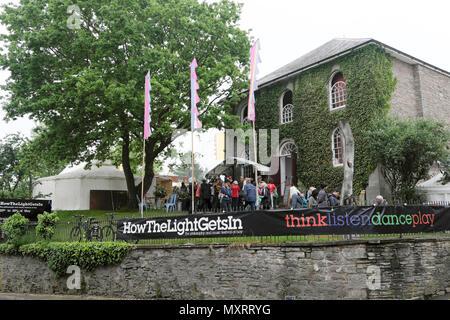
x: 254, y: 60
x: 195, y: 123
x: 147, y: 130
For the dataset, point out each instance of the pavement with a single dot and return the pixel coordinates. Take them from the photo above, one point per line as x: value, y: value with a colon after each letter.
x: 29, y: 296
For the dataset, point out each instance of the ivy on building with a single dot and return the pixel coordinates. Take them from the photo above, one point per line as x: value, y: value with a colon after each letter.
x: 369, y: 84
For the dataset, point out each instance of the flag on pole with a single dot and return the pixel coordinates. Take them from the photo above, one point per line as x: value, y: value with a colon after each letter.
x: 147, y: 119
x: 254, y: 60
x: 195, y: 123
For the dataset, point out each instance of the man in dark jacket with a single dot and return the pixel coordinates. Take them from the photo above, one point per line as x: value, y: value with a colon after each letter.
x: 322, y: 198
x: 205, y: 195
x: 334, y: 198
x: 249, y: 195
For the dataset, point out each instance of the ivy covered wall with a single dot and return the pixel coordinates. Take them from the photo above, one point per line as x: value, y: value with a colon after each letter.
x: 369, y: 84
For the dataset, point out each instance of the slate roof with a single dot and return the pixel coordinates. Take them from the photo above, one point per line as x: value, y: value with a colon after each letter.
x: 328, y: 51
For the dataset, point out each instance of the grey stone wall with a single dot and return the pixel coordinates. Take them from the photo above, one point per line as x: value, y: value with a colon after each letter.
x: 420, y: 92
x: 435, y: 94
x: 378, y: 269
x: 406, y: 100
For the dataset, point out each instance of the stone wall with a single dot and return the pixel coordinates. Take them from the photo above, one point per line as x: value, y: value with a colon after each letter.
x: 357, y: 269
x: 420, y: 92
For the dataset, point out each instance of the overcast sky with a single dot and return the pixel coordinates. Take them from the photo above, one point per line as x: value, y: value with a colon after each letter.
x: 288, y: 29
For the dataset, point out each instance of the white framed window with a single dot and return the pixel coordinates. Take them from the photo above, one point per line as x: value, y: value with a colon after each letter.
x: 287, y: 148
x: 337, y: 148
x: 287, y: 115
x: 287, y: 109
x: 338, y: 92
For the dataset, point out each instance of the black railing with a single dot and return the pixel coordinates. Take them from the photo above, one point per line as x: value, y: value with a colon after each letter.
x: 62, y: 231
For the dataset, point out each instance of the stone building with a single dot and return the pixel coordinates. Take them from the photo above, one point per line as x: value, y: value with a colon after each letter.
x: 341, y: 84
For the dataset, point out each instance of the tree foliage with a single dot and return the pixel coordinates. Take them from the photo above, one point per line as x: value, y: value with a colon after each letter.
x: 12, y: 176
x: 183, y: 167
x: 79, y: 71
x: 406, y: 150
x: 21, y: 165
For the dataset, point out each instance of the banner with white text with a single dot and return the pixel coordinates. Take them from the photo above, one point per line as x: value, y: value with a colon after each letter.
x: 340, y: 220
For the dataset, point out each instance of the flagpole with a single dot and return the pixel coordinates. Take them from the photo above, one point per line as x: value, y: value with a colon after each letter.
x: 195, y: 123
x: 192, y: 163
x: 147, y: 133
x: 256, y: 160
x: 142, y: 183
x: 254, y: 59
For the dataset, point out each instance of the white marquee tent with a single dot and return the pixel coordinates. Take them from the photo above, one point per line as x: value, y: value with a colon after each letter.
x: 433, y: 190
x: 75, y: 188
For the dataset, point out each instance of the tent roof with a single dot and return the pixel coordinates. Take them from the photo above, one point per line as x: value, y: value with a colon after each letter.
x: 106, y: 170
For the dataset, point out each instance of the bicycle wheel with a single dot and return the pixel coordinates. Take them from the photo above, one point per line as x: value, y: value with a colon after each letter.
x: 76, y: 234
x: 108, y: 233
x: 96, y: 233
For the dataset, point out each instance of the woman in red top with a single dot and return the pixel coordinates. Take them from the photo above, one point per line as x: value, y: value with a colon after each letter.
x: 272, y: 189
x: 235, y: 195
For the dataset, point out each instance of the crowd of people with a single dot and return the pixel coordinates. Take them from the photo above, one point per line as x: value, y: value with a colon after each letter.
x: 229, y: 195
x: 321, y: 198
x: 216, y: 194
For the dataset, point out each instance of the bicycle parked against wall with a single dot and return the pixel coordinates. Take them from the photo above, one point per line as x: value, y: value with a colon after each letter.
x: 89, y: 230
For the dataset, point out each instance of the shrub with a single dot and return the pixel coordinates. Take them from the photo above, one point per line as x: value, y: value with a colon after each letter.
x: 46, y: 225
x: 160, y: 192
x: 14, y: 228
x: 407, y: 149
x: 60, y: 255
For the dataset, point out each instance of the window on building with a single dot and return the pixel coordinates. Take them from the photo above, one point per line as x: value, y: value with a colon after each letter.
x: 287, y: 108
x: 337, y: 146
x: 244, y: 116
x: 287, y: 148
x: 338, y: 92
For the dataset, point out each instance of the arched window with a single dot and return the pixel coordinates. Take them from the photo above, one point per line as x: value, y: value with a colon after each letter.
x: 337, y: 147
x: 287, y: 148
x: 338, y: 92
x: 244, y: 115
x: 286, y: 107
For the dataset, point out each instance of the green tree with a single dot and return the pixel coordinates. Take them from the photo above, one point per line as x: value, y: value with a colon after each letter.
x: 13, y: 179
x: 79, y: 71
x: 183, y: 167
x: 21, y: 165
x: 406, y: 150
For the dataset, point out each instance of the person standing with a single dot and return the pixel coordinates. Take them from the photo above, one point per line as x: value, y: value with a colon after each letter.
x: 235, y: 195
x: 265, y: 195
x: 272, y: 189
x: 334, y: 198
x: 205, y: 194
x: 312, y: 200
x: 322, y: 198
x: 226, y: 197
x: 197, y: 195
x: 241, y: 193
x: 249, y: 195
x: 192, y: 210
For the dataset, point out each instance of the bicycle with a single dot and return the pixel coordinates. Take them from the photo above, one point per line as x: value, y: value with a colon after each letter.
x: 89, y: 229
x: 110, y: 230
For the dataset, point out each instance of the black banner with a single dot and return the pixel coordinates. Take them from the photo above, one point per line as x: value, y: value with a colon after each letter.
x: 28, y: 208
x: 340, y: 220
